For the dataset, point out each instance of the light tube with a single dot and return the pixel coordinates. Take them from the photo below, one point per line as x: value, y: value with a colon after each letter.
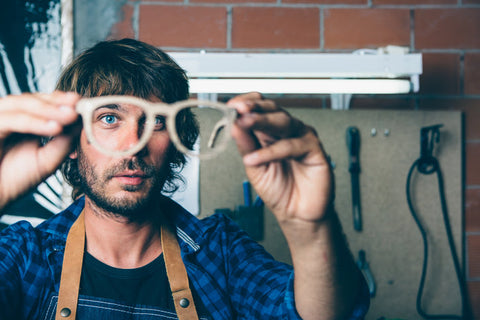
x: 302, y: 86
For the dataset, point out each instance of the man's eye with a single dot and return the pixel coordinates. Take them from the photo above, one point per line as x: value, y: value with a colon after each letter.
x: 159, y: 123
x: 109, y: 119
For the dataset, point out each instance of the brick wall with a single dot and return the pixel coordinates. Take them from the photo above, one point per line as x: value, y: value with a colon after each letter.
x: 447, y: 32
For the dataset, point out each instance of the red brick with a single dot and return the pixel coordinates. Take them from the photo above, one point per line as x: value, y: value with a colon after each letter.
x: 441, y: 73
x: 472, y: 210
x: 472, y: 163
x: 293, y: 28
x: 472, y: 73
x: 337, y: 2
x: 233, y: 1
x: 415, y: 2
x: 474, y: 294
x: 361, y: 28
x: 166, y: 1
x: 183, y: 26
x: 451, y: 28
x: 470, y: 108
x: 124, y: 28
x: 473, y: 249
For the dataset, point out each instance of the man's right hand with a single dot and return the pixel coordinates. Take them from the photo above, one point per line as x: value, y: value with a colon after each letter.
x: 24, y: 161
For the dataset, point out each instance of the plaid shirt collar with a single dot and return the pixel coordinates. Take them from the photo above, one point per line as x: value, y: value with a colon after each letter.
x: 189, y: 230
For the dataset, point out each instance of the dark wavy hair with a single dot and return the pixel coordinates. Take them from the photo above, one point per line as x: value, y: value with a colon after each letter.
x: 131, y: 67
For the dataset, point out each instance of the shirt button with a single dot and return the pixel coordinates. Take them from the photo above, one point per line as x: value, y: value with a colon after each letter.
x: 65, y: 312
x: 184, y: 302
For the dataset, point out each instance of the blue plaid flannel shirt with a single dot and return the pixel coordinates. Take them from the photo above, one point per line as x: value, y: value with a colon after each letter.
x: 234, y: 276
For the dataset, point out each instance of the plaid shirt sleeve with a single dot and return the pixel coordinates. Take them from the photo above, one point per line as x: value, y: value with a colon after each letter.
x: 30, y: 264
x: 9, y: 273
x: 21, y: 269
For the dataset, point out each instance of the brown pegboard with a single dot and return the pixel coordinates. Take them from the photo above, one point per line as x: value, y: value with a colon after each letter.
x: 390, y: 236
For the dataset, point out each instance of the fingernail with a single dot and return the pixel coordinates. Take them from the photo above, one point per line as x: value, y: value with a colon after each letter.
x: 246, y: 119
x: 66, y: 109
x: 242, y: 106
x: 51, y: 124
x: 250, y: 159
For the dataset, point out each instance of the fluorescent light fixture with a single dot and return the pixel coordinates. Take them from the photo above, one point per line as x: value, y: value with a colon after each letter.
x: 301, y: 86
x: 298, y: 65
x: 337, y: 74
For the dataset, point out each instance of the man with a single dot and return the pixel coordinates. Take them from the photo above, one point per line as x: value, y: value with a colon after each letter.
x: 126, y: 223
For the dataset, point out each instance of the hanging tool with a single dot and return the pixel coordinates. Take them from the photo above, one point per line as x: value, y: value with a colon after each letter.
x: 429, y: 136
x: 367, y: 272
x: 247, y: 193
x: 353, y: 145
x: 428, y: 164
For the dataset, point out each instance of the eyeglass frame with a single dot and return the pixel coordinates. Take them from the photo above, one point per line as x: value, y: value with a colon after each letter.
x: 86, y: 106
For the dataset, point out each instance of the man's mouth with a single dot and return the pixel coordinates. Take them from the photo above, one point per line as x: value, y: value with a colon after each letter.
x: 131, y: 177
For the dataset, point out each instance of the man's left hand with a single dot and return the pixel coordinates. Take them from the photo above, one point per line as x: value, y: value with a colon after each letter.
x: 284, y: 160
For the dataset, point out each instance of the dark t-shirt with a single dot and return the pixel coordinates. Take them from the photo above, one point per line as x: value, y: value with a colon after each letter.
x: 147, y: 285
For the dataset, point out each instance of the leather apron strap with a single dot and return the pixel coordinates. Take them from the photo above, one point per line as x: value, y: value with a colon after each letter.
x: 72, y: 270
x: 177, y: 276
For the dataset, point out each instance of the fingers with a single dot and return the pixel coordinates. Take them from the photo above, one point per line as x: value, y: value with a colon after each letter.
x: 25, y: 123
x: 251, y: 102
x: 54, y: 153
x: 24, y: 161
x: 38, y: 114
x: 261, y: 124
x: 277, y: 124
x: 26, y: 165
x: 257, y: 113
x: 40, y: 103
x: 299, y: 149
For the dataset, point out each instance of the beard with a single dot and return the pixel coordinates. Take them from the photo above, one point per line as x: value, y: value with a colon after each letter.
x: 135, y: 209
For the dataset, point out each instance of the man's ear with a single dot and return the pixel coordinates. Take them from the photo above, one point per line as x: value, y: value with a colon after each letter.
x: 73, y: 155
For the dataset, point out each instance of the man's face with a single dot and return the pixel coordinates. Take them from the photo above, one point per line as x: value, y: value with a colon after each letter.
x: 124, y: 185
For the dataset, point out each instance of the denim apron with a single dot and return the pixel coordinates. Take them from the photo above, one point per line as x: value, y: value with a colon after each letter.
x: 70, y: 306
x: 94, y: 308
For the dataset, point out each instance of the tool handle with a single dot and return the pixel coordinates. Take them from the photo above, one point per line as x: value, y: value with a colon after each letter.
x: 356, y: 203
x: 353, y: 145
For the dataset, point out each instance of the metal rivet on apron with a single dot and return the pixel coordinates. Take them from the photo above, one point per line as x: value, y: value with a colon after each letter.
x: 184, y: 302
x: 65, y: 312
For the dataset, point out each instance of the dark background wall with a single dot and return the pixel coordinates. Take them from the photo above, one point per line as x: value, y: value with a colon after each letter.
x: 446, y: 32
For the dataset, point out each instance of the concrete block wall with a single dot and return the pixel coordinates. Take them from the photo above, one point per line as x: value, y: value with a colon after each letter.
x: 446, y: 32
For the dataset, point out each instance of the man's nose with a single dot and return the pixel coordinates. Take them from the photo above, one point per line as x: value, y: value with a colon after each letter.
x: 131, y: 135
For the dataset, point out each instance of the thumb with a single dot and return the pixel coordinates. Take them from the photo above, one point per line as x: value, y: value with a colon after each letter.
x: 245, y: 140
x: 51, y: 155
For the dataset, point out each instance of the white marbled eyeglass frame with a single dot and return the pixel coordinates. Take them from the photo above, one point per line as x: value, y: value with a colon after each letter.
x: 86, y: 106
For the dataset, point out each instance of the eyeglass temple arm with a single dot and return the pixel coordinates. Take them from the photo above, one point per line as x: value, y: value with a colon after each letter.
x: 215, y: 132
